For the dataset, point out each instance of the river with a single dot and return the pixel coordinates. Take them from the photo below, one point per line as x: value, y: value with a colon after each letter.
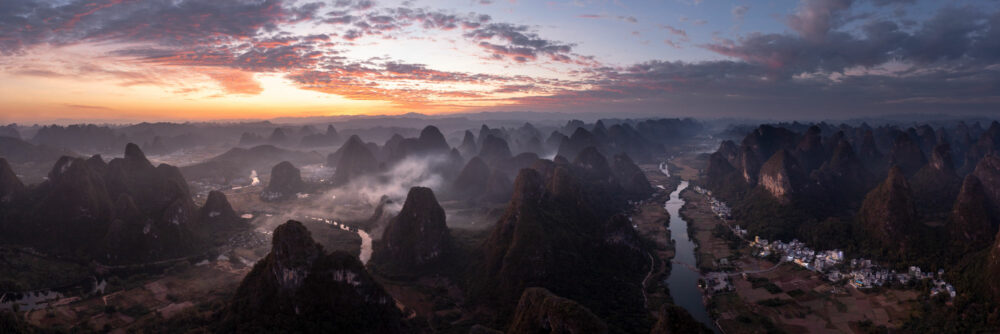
x: 683, y: 280
x: 366, y: 239
x: 39, y: 299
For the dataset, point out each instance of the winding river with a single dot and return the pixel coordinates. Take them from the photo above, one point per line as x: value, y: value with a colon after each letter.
x: 683, y: 280
x: 366, y: 239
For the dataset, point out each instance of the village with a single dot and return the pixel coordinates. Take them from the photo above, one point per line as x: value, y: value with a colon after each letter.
x: 831, y: 264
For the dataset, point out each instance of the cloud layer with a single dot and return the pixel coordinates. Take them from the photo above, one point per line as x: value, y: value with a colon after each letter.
x: 831, y: 49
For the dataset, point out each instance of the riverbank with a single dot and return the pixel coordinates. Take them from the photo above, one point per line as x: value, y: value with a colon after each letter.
x: 769, y: 296
x: 652, y: 220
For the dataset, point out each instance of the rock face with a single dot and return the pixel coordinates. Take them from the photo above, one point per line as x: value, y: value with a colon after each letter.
x: 906, y: 154
x: 993, y: 268
x: 124, y: 211
x: 971, y: 227
x: 472, y: 179
x: 593, y: 165
x: 869, y: 154
x: 781, y: 175
x: 988, y: 143
x: 540, y: 311
x: 888, y: 214
x: 418, y: 237
x: 76, y: 208
x: 277, y: 137
x: 355, y: 160
x: 494, y: 149
x: 498, y: 188
x: 217, y: 213
x: 721, y: 176
x: 626, y: 140
x: 468, y: 147
x: 298, y: 287
x: 844, y: 174
x: 432, y: 141
x: 579, y: 140
x: 285, y: 183
x: 937, y: 183
x: 942, y: 160
x: 559, y: 225
x: 988, y: 172
x: 810, y: 152
x: 673, y: 319
x: 630, y: 177
x: 554, y: 140
x: 10, y: 185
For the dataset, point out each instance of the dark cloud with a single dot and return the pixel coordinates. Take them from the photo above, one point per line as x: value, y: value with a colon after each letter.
x: 25, y: 23
x: 521, y: 43
x: 946, y: 62
x: 884, y: 63
x: 813, y: 19
x: 954, y: 37
x: 739, y: 12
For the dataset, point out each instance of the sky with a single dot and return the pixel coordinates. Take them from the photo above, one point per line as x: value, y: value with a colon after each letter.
x: 149, y: 60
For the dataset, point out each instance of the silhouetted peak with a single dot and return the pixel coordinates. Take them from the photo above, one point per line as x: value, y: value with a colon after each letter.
x: 896, y: 178
x: 581, y: 134
x: 10, y: 184
x: 888, y: 212
x: 842, y: 153
x: 593, y: 163
x: 472, y: 180
x: 599, y: 130
x: 217, y: 205
x: 278, y: 135
x: 355, y: 140
x: 988, y: 172
x: 420, y: 200
x: 528, y: 186
x: 541, y: 311
x: 134, y: 154
x: 431, y: 132
x: 941, y: 158
x: 285, y: 182
x: 781, y: 175
x: 355, y: 159
x: 294, y: 251
x: 907, y: 155
x: 494, y: 149
x: 468, y: 146
x: 631, y: 177
x: 971, y: 227
x: 431, y: 140
x: 418, y: 235
x: 63, y: 167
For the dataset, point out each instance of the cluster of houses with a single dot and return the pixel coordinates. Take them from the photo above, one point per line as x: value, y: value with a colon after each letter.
x: 860, y: 273
x: 796, y: 252
x: 716, y: 282
x: 718, y: 207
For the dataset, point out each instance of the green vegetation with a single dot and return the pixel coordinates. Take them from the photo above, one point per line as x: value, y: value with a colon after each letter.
x: 21, y: 270
x: 774, y: 302
x: 763, y: 282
